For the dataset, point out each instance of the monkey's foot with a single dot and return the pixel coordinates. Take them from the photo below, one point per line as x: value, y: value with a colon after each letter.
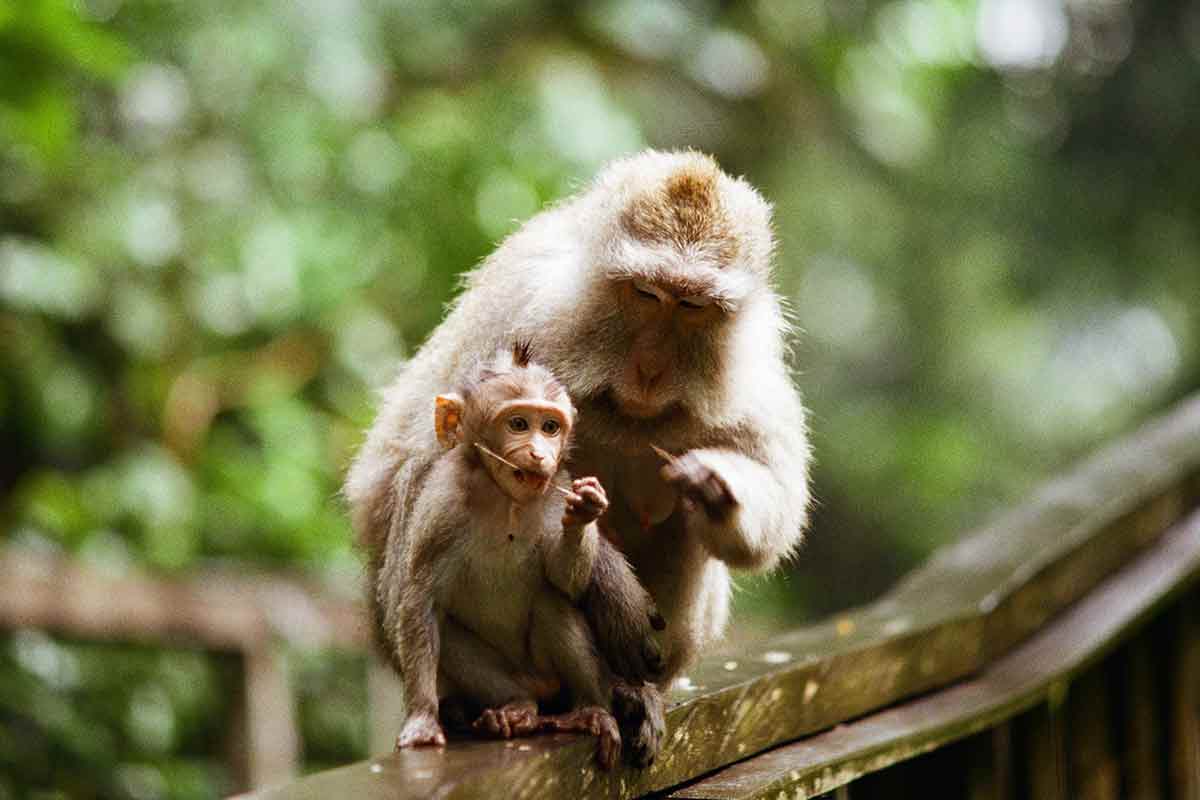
x: 641, y: 714
x: 512, y: 719
x: 598, y: 723
x: 421, y: 730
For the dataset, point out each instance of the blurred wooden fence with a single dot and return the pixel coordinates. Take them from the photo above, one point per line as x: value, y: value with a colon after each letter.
x: 253, y: 618
x: 1053, y: 654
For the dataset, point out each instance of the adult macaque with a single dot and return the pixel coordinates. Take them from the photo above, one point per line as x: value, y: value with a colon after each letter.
x: 498, y: 556
x: 648, y: 295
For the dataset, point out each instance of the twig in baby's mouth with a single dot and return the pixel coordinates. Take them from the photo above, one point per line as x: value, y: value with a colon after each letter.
x: 564, y: 491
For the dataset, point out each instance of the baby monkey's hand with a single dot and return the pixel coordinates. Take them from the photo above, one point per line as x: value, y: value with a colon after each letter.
x: 586, y: 503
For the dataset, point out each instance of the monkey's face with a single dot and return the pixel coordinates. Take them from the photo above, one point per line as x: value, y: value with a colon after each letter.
x: 532, y: 436
x: 669, y: 335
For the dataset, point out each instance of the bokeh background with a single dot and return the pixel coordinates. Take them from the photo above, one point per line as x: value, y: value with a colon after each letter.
x: 223, y: 223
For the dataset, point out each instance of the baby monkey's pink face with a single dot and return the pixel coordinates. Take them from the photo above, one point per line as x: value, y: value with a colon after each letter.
x: 532, y: 435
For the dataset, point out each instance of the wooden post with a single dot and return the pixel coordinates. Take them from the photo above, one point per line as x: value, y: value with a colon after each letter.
x: 989, y: 764
x: 265, y: 740
x: 1092, y: 767
x: 1185, y: 702
x: 385, y: 705
x: 1045, y: 749
x: 1141, y: 758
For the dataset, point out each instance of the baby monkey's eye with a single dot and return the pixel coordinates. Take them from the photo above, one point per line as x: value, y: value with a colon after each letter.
x: 550, y: 427
x: 518, y: 424
x: 694, y: 303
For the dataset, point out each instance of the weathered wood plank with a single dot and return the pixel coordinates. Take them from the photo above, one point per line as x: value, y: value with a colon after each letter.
x: 1034, y: 674
x: 969, y: 604
x: 220, y: 610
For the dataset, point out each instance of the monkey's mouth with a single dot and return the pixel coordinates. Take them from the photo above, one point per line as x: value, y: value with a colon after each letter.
x: 533, y: 481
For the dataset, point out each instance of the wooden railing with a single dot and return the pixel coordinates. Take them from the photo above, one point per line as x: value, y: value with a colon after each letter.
x: 254, y: 618
x: 1054, y: 653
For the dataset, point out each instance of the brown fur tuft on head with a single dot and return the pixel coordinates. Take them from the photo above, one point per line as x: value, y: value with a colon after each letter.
x: 685, y: 210
x: 522, y: 352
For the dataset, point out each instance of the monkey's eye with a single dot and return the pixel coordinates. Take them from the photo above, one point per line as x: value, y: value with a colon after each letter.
x: 647, y: 291
x: 518, y: 424
x: 550, y: 427
x: 695, y: 303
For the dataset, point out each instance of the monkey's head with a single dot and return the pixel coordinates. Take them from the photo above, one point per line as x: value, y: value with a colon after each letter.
x: 517, y: 410
x: 682, y: 259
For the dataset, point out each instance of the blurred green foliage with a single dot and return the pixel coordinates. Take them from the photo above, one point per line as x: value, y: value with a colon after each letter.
x: 223, y: 223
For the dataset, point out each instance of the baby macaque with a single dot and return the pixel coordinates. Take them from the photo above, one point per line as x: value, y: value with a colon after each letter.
x: 504, y: 563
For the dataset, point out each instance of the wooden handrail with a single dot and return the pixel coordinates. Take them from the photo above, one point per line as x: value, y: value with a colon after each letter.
x: 973, y: 602
x: 1036, y: 671
x: 213, y: 609
x: 253, y: 616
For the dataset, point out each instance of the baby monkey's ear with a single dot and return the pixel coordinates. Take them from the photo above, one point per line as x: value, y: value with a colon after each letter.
x: 447, y: 417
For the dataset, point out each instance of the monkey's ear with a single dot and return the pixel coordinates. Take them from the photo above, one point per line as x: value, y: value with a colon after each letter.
x: 447, y: 416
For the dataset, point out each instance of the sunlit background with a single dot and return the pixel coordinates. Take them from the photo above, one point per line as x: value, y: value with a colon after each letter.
x: 224, y: 223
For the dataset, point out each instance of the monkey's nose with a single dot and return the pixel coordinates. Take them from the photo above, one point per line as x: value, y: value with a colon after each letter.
x: 536, y: 456
x: 648, y: 375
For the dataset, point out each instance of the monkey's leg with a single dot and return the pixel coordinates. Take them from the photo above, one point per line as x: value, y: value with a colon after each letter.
x: 472, y: 668
x: 562, y: 644
x: 416, y: 621
x: 623, y: 618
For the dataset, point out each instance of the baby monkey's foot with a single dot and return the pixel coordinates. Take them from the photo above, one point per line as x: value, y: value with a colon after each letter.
x: 586, y: 503
x: 511, y: 719
x: 421, y: 730
x: 593, y: 720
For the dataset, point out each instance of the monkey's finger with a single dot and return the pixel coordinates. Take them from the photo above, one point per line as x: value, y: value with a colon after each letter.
x: 525, y: 723
x: 712, y: 493
x: 592, y: 495
x: 587, y: 480
x: 608, y: 745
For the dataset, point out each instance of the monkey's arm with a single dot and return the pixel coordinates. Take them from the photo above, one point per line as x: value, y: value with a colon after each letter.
x: 571, y: 555
x: 748, y: 501
x: 412, y: 627
x: 407, y: 589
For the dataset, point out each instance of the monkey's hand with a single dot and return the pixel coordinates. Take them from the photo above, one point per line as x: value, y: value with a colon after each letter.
x: 587, y: 502
x: 421, y: 730
x: 701, y: 486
